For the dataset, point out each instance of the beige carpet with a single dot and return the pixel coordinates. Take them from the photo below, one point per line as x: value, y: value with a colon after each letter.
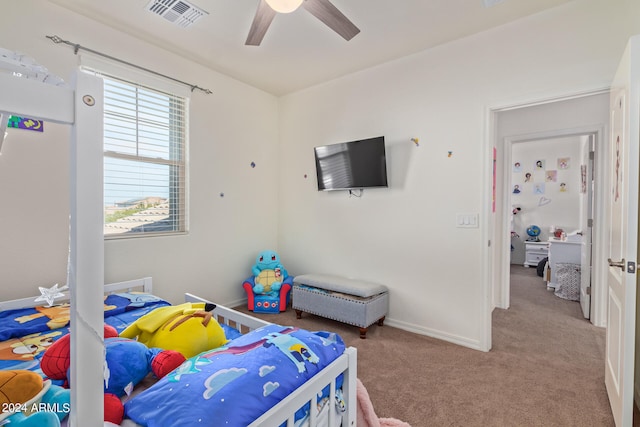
x: 546, y: 367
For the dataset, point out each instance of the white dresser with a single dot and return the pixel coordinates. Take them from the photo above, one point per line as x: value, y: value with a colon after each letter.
x: 535, y: 252
x: 564, y: 251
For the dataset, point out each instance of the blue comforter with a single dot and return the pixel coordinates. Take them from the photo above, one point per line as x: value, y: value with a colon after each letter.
x: 26, y: 333
x: 235, y: 384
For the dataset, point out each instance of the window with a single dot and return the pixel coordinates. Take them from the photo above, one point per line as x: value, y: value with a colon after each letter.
x: 144, y: 160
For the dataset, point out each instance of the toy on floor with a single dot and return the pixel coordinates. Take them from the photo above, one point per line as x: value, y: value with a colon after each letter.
x: 268, y: 272
x: 27, y: 400
x: 268, y: 288
x: 187, y: 328
x: 128, y: 362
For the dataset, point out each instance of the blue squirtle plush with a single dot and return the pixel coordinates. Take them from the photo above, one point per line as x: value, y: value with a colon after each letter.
x: 269, y: 273
x: 30, y: 401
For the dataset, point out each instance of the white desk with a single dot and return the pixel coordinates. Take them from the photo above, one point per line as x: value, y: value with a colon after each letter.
x: 569, y: 251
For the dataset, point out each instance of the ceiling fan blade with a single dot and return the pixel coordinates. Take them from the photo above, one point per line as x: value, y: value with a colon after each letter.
x: 325, y: 11
x: 260, y: 24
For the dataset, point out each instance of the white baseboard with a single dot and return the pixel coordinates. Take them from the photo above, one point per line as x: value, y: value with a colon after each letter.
x: 236, y: 303
x: 409, y: 327
x: 455, y: 339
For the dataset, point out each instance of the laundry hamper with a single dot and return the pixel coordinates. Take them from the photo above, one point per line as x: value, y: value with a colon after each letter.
x: 568, y: 281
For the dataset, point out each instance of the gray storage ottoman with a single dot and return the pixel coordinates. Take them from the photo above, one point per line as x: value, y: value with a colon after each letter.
x: 349, y: 301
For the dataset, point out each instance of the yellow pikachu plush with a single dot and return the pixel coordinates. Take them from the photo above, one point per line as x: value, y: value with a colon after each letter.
x: 187, y: 328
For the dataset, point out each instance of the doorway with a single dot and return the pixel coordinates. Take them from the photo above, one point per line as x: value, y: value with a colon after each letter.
x: 550, y: 191
x: 585, y: 116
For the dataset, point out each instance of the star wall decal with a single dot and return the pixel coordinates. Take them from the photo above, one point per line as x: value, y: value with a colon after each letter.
x: 50, y: 294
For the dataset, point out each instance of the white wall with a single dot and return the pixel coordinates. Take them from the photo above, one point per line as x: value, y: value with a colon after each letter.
x: 560, y: 209
x: 229, y: 129
x: 406, y: 236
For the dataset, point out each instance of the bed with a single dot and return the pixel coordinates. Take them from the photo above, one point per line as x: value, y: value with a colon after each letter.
x: 330, y: 387
x: 80, y: 105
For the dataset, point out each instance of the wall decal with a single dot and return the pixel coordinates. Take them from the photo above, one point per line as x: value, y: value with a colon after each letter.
x: 253, y: 164
x: 449, y: 153
x: 516, y: 189
x: 538, y: 188
x: 563, y: 162
x: 25, y: 123
x: 539, y: 165
x: 551, y: 176
x: 221, y: 194
x: 517, y: 167
x: 527, y: 177
x: 563, y: 187
x: 543, y: 201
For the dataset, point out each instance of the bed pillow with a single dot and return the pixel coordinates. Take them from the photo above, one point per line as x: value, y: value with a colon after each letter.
x: 123, y: 302
x: 235, y: 384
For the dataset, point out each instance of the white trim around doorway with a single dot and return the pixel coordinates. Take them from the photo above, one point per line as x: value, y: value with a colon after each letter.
x: 496, y: 253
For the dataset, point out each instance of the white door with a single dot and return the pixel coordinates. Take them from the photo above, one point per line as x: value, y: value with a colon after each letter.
x: 623, y: 243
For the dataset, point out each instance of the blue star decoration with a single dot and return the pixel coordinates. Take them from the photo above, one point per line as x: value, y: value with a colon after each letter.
x: 50, y: 294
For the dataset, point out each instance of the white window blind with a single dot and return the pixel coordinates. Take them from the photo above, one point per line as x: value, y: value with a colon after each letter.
x: 144, y: 160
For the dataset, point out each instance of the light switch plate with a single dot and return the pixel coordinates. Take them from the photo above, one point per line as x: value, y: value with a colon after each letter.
x: 467, y: 220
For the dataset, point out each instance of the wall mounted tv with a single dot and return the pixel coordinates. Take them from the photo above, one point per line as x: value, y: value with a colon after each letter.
x: 351, y: 165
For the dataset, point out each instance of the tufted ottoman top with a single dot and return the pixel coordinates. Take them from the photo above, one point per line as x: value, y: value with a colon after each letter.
x: 340, y: 284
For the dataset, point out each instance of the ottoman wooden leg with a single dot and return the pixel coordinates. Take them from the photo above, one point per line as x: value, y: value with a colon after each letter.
x: 363, y: 333
x: 381, y: 321
x: 298, y: 314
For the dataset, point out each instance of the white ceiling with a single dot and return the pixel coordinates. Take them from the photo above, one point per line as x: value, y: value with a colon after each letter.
x: 298, y: 50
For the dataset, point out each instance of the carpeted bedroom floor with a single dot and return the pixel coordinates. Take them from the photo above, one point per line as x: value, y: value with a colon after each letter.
x: 546, y: 367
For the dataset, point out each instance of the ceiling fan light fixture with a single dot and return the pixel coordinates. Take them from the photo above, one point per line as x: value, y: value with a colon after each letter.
x: 284, y: 6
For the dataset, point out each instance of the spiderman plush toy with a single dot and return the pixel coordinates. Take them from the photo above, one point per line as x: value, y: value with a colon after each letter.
x: 128, y: 361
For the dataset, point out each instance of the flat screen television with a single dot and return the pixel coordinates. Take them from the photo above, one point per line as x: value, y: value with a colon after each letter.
x: 352, y: 165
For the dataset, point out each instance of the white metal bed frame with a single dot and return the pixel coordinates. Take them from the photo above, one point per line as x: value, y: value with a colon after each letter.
x: 285, y: 410
x: 142, y: 285
x: 80, y: 106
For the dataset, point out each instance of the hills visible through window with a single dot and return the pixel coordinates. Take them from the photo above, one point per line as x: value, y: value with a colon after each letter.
x: 144, y: 160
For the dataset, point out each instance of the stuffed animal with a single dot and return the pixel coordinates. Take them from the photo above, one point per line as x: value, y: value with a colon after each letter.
x: 187, y: 328
x: 268, y: 272
x: 27, y: 400
x: 128, y: 362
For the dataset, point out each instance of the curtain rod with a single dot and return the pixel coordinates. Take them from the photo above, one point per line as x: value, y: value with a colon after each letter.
x: 77, y: 47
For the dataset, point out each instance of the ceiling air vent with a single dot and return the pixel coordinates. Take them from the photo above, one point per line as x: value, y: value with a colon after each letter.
x: 180, y: 12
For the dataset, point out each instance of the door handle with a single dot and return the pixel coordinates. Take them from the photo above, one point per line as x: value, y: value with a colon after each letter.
x: 620, y: 264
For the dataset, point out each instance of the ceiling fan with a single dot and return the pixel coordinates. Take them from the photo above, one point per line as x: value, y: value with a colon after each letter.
x: 324, y: 10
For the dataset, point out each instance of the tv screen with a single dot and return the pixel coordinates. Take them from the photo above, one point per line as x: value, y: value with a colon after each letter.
x: 351, y: 165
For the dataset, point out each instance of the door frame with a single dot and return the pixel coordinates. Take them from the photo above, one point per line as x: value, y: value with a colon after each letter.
x: 498, y: 236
